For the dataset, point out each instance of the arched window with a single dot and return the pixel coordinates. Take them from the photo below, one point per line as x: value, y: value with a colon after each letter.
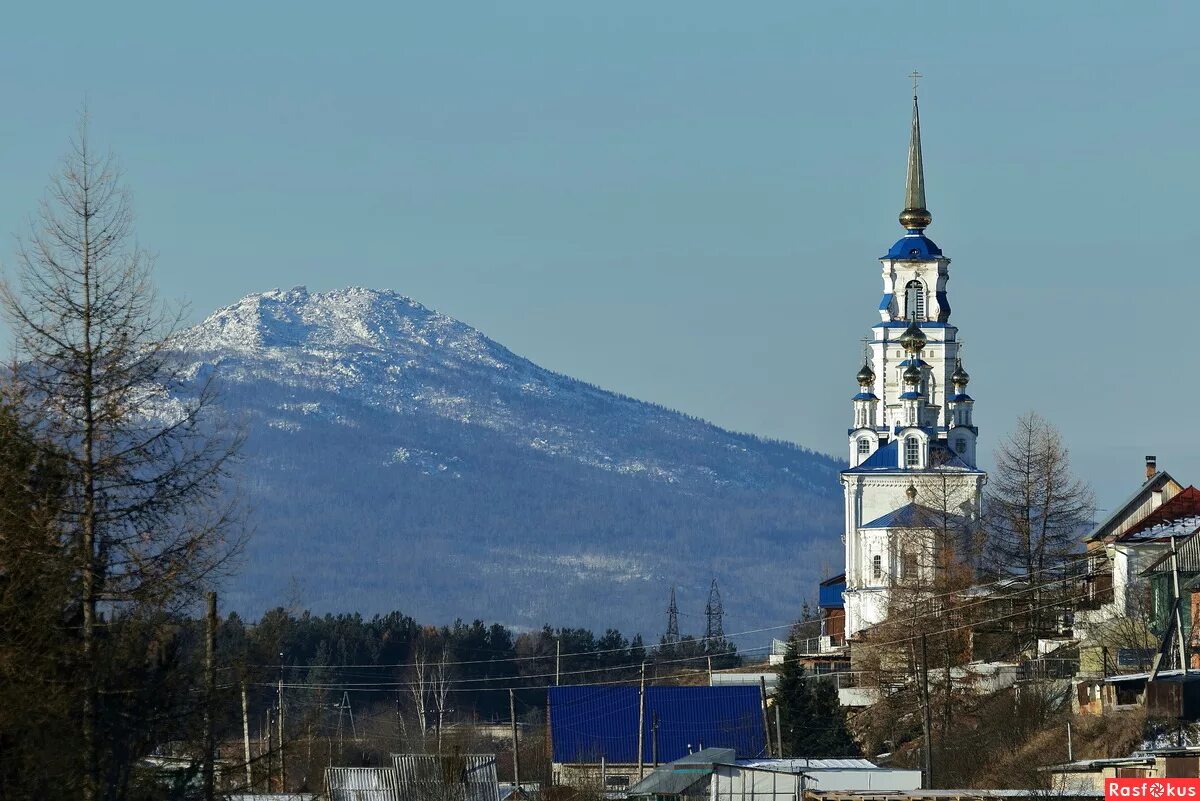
x: 912, y: 452
x: 914, y: 300
x: 960, y: 445
x: 864, y: 446
x: 877, y: 566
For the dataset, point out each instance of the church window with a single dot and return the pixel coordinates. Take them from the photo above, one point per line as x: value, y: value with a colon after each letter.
x: 960, y: 445
x: 909, y: 566
x: 912, y: 452
x: 877, y: 566
x: 914, y: 300
x: 864, y: 446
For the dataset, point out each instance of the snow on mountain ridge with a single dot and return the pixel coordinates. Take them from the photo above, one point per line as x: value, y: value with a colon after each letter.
x: 393, y: 449
x: 347, y: 318
x: 390, y: 353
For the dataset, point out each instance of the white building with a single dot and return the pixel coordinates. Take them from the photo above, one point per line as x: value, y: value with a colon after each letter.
x: 912, y: 440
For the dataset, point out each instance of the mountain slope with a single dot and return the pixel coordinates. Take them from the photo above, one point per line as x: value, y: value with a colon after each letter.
x: 398, y: 458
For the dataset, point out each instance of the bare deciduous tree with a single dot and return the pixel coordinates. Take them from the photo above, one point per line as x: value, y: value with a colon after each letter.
x: 1036, y: 510
x: 143, y: 520
x: 440, y: 687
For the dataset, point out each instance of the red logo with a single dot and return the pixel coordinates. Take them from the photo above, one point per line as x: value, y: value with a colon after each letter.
x: 1151, y: 789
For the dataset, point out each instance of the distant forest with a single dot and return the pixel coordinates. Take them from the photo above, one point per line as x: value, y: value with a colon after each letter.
x: 378, y: 660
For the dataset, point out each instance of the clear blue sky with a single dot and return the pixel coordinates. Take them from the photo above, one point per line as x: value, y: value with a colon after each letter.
x: 679, y: 201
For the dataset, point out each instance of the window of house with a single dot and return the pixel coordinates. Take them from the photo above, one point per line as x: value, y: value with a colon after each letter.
x: 864, y: 446
x: 877, y: 566
x: 914, y: 300
x: 912, y: 452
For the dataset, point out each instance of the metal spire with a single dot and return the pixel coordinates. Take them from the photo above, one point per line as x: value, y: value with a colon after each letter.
x: 915, y: 216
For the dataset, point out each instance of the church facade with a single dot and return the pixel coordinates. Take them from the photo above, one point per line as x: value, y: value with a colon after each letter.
x: 912, y: 440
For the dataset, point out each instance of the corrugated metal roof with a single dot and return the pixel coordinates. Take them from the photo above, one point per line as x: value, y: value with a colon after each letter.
x: 800, y: 764
x: 588, y: 722
x: 464, y: 777
x: 362, y: 784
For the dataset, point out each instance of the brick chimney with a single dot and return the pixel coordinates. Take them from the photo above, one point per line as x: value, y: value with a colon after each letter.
x: 1151, y: 467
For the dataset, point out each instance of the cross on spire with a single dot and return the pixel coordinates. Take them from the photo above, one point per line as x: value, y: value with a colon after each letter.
x: 916, y: 76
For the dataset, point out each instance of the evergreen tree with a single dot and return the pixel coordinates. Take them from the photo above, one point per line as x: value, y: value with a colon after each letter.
x: 812, y: 721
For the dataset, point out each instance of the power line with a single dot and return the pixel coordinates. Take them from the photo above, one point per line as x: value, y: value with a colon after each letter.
x: 698, y: 640
x: 391, y: 686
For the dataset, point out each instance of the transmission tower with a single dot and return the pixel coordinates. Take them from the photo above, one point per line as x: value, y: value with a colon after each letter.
x: 672, y: 635
x: 714, y: 629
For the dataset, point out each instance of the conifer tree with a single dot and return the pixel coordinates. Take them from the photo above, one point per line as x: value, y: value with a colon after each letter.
x: 812, y: 721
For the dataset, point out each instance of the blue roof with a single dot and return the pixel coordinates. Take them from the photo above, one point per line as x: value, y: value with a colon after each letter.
x: 865, y: 396
x: 914, y: 246
x: 588, y: 722
x: 887, y: 458
x: 829, y: 594
x: 913, y: 362
x: 911, y: 396
x: 962, y: 397
x: 914, y: 515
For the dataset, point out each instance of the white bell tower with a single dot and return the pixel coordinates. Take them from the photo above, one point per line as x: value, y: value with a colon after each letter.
x: 912, y: 424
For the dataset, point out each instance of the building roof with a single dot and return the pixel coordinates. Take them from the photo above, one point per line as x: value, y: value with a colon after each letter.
x: 1111, y: 524
x: 1177, y: 517
x: 887, y: 458
x: 802, y: 764
x: 829, y: 592
x: 915, y: 515
x: 588, y: 722
x: 913, y: 247
x: 1188, y: 561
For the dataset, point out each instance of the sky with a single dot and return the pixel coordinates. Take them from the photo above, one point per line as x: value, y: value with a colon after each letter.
x: 683, y: 202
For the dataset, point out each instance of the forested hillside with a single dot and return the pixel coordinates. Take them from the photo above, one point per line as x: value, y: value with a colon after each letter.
x: 396, y: 457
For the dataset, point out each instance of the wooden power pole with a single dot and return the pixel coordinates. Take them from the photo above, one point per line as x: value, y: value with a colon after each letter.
x: 282, y: 769
x: 641, y: 723
x: 926, y: 721
x: 762, y: 697
x: 512, y: 716
x: 210, y: 690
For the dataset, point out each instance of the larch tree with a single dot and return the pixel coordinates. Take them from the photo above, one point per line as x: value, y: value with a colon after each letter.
x: 143, y: 520
x: 1036, y: 511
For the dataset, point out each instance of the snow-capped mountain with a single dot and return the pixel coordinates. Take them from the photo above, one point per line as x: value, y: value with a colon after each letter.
x: 399, y: 459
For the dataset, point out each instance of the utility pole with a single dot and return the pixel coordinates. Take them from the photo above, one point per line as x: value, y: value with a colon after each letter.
x: 270, y: 756
x: 1070, y: 749
x: 778, y: 733
x: 710, y: 671
x: 246, y: 737
x: 512, y: 716
x: 1183, y: 654
x: 926, y: 721
x: 762, y: 696
x: 210, y: 690
x: 642, y: 716
x: 282, y: 769
x: 557, y: 658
